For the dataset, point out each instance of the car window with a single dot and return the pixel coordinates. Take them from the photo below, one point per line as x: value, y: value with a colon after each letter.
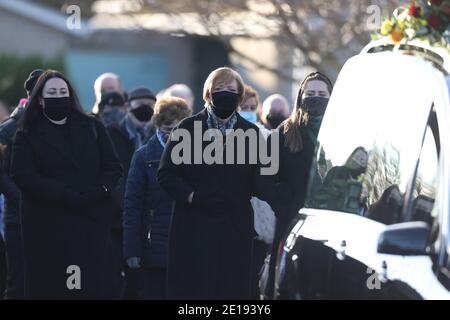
x: 425, y: 186
x: 370, y: 142
x: 426, y: 200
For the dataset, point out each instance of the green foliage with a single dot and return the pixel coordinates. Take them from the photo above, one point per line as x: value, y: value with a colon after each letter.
x: 14, y: 71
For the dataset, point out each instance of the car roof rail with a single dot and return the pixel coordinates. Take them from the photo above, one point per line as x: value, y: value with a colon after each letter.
x: 414, y: 49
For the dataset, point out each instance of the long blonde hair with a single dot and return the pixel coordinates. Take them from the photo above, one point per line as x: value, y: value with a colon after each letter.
x: 291, y: 127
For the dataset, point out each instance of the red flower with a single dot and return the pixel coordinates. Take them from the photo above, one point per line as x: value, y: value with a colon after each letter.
x: 436, y: 2
x: 414, y: 11
x: 434, y: 21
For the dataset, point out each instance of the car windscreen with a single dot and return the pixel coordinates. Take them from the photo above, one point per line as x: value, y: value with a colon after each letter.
x: 371, y: 135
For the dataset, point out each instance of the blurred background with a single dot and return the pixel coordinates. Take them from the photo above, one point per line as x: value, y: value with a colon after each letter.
x: 156, y: 43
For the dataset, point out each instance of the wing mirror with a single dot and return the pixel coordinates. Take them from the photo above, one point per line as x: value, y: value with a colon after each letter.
x: 406, y: 239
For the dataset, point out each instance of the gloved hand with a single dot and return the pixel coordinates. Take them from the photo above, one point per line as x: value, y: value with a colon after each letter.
x: 134, y: 262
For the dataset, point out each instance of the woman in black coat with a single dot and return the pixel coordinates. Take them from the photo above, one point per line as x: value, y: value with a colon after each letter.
x: 297, y: 140
x: 211, y: 233
x: 64, y: 164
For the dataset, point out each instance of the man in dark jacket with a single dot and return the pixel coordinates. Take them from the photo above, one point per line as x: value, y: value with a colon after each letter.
x: 106, y: 82
x: 127, y: 136
x: 148, y: 208
x: 134, y: 130
x: 13, y: 233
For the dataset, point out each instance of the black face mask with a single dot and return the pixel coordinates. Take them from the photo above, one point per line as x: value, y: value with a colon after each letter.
x: 57, y: 108
x: 275, y: 120
x: 143, y: 113
x: 315, y: 106
x: 224, y: 103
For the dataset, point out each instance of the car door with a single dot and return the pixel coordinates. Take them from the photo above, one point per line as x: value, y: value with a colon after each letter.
x: 424, y: 203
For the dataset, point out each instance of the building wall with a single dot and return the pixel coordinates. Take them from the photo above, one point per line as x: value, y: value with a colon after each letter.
x: 270, y: 54
x: 139, y: 58
x: 24, y: 37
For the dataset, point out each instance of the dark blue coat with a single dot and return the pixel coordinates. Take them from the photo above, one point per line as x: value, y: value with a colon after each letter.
x: 146, y: 206
x: 7, y: 185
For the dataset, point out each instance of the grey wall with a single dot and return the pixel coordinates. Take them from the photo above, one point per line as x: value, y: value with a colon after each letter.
x: 24, y: 37
x: 140, y: 58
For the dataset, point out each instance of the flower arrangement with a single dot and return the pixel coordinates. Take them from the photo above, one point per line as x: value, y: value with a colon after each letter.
x: 420, y: 19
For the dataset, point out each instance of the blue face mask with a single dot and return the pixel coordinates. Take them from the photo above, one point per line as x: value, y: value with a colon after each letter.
x: 112, y: 116
x: 249, y: 116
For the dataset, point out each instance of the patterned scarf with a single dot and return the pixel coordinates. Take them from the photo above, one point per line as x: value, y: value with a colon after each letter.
x: 214, y: 123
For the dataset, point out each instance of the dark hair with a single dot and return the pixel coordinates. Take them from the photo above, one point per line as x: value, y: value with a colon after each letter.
x: 310, y: 77
x: 31, y: 80
x: 381, y: 211
x: 299, y: 117
x: 33, y: 108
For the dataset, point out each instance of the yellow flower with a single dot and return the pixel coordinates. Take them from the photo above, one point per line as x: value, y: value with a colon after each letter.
x: 386, y: 27
x: 401, y: 24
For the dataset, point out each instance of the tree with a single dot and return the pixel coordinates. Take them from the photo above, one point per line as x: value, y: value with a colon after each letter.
x: 323, y: 33
x: 15, y: 70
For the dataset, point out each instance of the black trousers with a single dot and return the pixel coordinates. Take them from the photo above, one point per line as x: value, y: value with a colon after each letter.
x: 2, y: 268
x: 116, y: 275
x: 280, y: 232
x: 146, y: 284
x: 132, y: 281
x: 152, y: 284
x: 260, y: 251
x: 15, y: 262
